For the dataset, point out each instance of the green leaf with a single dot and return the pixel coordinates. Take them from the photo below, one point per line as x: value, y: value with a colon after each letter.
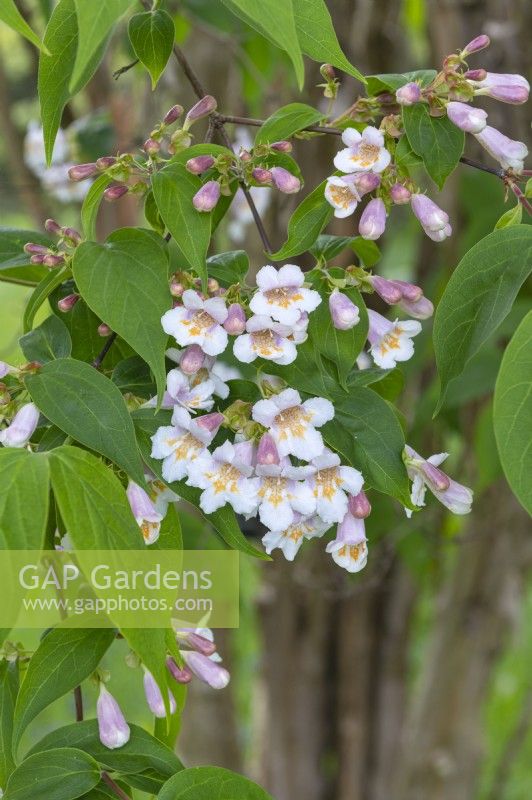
x: 274, y: 19
x: 317, y: 37
x: 404, y: 156
x: 173, y: 189
x: 89, y: 407
x: 224, y: 520
x: 55, y: 69
x: 24, y: 491
x: 393, y: 81
x: 133, y: 375
x: 92, y: 502
x: 91, y: 205
x: 143, y: 751
x: 9, y: 682
x: 125, y: 282
x: 340, y: 347
x: 435, y: 139
x: 327, y: 247
x: 366, y: 432
x: 306, y: 224
x: 14, y: 262
x: 478, y: 297
x: 286, y: 121
x: 95, y: 22
x: 152, y: 35
x: 211, y: 783
x: 10, y: 14
x: 150, y: 646
x: 50, y: 340
x: 229, y: 268
x: 512, y: 412
x: 307, y: 373
x: 63, y: 774
x: 44, y: 289
x: 63, y: 660
x: 513, y: 216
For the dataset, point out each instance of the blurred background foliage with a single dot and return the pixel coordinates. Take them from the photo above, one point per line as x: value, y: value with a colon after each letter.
x: 413, y: 679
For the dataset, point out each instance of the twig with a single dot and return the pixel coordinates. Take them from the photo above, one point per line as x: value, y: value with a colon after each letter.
x: 106, y: 778
x: 256, y: 123
x: 500, y: 173
x: 117, y: 73
x: 97, y: 363
x: 78, y: 697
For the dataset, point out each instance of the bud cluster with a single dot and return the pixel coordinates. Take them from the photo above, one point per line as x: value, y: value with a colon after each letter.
x: 52, y: 257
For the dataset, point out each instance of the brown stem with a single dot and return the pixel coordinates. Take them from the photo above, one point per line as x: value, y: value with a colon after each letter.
x: 103, y: 352
x: 106, y: 778
x: 78, y: 697
x: 117, y: 73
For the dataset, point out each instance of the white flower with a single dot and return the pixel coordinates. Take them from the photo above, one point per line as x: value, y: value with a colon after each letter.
x: 293, y: 423
x: 22, y: 427
x: 180, y: 443
x: 283, y: 495
x: 192, y: 393
x: 160, y: 494
x: 299, y: 329
x: 391, y: 341
x: 364, y: 152
x: 342, y: 196
x: 146, y: 515
x: 267, y: 339
x: 424, y: 473
x: 198, y: 321
x: 281, y: 294
x: 213, y: 369
x: 224, y: 477
x: 349, y: 549
x: 329, y: 484
x: 291, y: 539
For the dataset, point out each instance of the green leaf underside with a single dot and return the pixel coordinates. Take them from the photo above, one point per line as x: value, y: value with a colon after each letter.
x: 152, y: 35
x: 95, y: 21
x: 435, y: 139
x: 90, y: 408
x: 479, y: 295
x: 61, y: 774
x: 512, y: 413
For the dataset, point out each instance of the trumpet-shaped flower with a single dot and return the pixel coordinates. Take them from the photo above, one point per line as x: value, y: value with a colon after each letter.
x: 391, y: 341
x: 342, y: 196
x: 291, y: 538
x: 331, y: 483
x: 281, y: 294
x: 349, y: 549
x: 282, y: 493
x: 206, y: 669
x: 147, y: 516
x: 22, y: 427
x: 225, y: 477
x: 182, y: 442
x: 155, y: 698
x: 267, y: 339
x: 113, y: 728
x: 293, y: 423
x: 508, y: 152
x: 364, y: 152
x: 425, y: 473
x: 198, y: 321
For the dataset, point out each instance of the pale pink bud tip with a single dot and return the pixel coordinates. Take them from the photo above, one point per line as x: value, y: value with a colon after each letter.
x: 151, y: 147
x: 263, y: 176
x: 104, y: 330
x: 206, y: 198
x: 22, y: 427
x: 285, y: 181
x: 400, y: 194
x: 176, y: 288
x: 113, y: 728
x: 359, y: 505
x: 206, y: 670
x: 364, y: 182
x: 467, y: 118
x: 267, y: 452
x: 373, y: 220
x: 282, y: 147
x: 327, y: 72
x: 180, y: 675
x: 435, y: 476
x: 475, y: 74
x: 199, y: 164
x: 478, y: 43
x: 344, y: 313
x: 73, y: 235
x: 105, y: 162
x: 115, y: 192
x: 409, y: 291
x: 235, y: 324
x: 37, y: 249
x: 53, y: 261
x: 428, y: 213
x: 68, y: 302
x: 173, y: 115
x: 203, y: 108
x: 155, y: 698
x: 210, y: 422
x: 37, y: 260
x: 52, y: 226
x: 192, y: 359
x: 389, y: 290
x: 82, y: 171
x: 421, y: 308
x: 197, y: 642
x: 408, y: 94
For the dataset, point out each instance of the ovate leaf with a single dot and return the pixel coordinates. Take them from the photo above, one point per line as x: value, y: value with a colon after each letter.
x: 50, y: 340
x: 14, y: 262
x: 286, y: 121
x: 229, y: 268
x: 435, y: 139
x: 478, y: 297
x: 10, y: 14
x: 512, y: 413
x: 152, y: 35
x: 211, y: 783
x: 306, y: 224
x: 95, y: 21
x: 42, y: 291
x: 24, y: 490
x: 89, y: 407
x: 63, y: 774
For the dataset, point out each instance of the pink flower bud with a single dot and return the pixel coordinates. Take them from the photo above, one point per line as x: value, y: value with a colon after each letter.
x: 67, y: 303
x: 176, y: 288
x: 409, y: 290
x: 72, y: 235
x: 173, y: 115
x: 212, y: 285
x: 267, y: 452
x: 235, y: 324
x: 51, y: 260
x: 513, y: 89
x: 206, y: 198
x: 428, y: 213
x: 105, y: 162
x: 5, y: 369
x: 192, y: 359
x: 206, y: 670
x: 113, y: 728
x: 262, y: 176
x: 285, y: 181
x: 196, y: 641
x: 52, y: 226
x: 389, y: 290
x: 180, y: 675
x: 359, y: 505
x: 151, y: 147
x: 478, y: 43
x: 244, y: 155
x: 37, y: 260
x: 400, y: 194
x: 282, y: 146
x: 465, y: 117
x: 344, y: 313
x: 155, y: 698
x: 104, y: 330
x: 509, y: 153
x: 364, y: 182
x: 203, y: 108
x: 408, y: 94
x: 438, y: 479
x: 421, y: 308
x: 199, y: 164
x: 22, y: 427
x: 82, y: 171
x: 37, y: 249
x: 115, y: 192
x: 327, y: 72
x: 210, y: 422
x: 475, y: 74
x: 373, y: 220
